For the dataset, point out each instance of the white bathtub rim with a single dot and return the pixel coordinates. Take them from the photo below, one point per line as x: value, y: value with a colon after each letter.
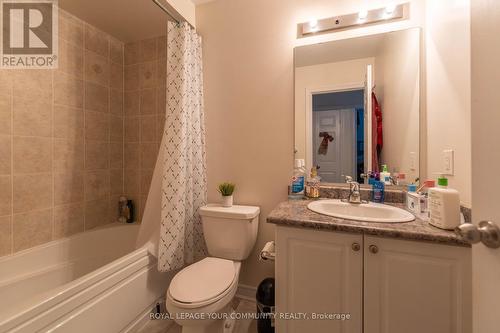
x: 54, y: 297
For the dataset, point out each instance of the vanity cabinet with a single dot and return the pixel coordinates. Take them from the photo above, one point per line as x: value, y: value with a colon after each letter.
x: 386, y: 285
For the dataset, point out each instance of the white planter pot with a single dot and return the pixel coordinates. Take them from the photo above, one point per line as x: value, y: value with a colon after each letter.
x: 227, y: 201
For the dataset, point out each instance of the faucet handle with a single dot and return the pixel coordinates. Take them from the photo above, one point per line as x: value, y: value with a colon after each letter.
x: 348, y: 179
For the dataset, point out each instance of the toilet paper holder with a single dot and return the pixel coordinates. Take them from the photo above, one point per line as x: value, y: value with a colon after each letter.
x: 268, y: 252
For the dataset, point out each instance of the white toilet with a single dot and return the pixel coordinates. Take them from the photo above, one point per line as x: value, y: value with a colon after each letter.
x: 200, y: 294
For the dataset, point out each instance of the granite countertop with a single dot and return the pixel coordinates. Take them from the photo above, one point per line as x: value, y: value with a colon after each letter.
x: 294, y: 213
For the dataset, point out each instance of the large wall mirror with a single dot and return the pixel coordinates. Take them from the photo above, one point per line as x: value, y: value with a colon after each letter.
x: 357, y: 106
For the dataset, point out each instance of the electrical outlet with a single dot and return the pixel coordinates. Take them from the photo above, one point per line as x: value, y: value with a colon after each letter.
x: 448, y: 162
x: 413, y: 161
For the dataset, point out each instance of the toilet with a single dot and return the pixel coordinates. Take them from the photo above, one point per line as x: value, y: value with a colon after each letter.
x: 199, y: 296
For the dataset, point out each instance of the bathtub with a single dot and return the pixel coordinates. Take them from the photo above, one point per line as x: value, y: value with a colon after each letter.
x: 95, y: 281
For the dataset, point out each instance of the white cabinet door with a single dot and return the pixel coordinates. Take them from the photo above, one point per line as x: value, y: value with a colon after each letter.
x: 318, y: 272
x: 416, y: 287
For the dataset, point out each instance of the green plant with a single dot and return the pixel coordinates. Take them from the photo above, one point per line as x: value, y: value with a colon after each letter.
x: 226, y: 189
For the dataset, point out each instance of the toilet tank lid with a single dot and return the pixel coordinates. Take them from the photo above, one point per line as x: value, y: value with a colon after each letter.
x: 233, y: 212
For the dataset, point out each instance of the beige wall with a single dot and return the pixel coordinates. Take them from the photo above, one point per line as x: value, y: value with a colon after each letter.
x: 448, y: 90
x: 317, y: 77
x: 248, y: 67
x: 61, y: 140
x: 145, y: 106
x: 397, y: 75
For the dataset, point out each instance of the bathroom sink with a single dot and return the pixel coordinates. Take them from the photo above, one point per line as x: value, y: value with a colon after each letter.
x: 366, y: 212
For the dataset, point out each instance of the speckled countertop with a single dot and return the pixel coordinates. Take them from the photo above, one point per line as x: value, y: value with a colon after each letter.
x: 294, y: 213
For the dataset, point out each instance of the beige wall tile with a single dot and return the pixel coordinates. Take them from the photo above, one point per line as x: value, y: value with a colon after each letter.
x: 96, y: 213
x: 5, y: 154
x: 5, y: 235
x: 5, y: 195
x: 113, y: 208
x: 31, y: 79
x: 96, y: 184
x: 32, y: 155
x: 132, y: 129
x: 70, y: 59
x: 160, y: 126
x: 148, y: 49
x: 96, y: 155
x: 132, y: 77
x: 116, y: 101
x: 132, y: 182
x: 132, y: 53
x: 68, y: 154
x: 96, y: 97
x: 116, y: 76
x: 96, y: 68
x: 133, y: 155
x: 116, y: 181
x: 162, y: 47
x: 116, y: 51
x: 149, y: 153
x: 115, y: 128
x: 68, y: 220
x: 68, y: 122
x: 96, y: 41
x: 148, y: 101
x: 148, y: 128
x: 132, y: 103
x: 162, y: 72
x: 68, y: 187
x: 32, y: 112
x: 32, y: 229
x: 70, y: 28
x: 148, y: 74
x: 5, y: 109
x: 146, y: 176
x: 96, y: 126
x: 32, y: 192
x: 161, y: 95
x: 68, y: 90
x: 116, y: 155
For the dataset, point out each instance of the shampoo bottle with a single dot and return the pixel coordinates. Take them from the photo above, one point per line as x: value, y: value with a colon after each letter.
x: 385, y: 175
x: 444, y: 206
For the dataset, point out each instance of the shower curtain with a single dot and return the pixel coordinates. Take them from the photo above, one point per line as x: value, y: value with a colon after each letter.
x: 184, y: 188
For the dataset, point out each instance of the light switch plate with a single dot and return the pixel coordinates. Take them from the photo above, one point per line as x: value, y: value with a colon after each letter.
x: 448, y: 162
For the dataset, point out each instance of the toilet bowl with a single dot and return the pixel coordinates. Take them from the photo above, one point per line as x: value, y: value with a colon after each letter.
x: 199, y: 296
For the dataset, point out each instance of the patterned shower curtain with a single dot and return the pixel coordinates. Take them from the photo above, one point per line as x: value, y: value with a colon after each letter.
x: 184, y: 188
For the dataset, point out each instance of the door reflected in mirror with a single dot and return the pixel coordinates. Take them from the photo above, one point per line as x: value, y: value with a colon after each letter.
x: 357, y: 106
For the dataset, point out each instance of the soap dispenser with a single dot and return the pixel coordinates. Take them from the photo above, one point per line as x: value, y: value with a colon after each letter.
x: 444, y: 205
x: 385, y: 175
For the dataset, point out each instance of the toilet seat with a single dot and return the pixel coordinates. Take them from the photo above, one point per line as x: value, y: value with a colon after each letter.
x: 203, y: 282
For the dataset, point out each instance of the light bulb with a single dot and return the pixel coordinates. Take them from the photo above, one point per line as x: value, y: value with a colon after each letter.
x: 390, y: 9
x: 313, y: 23
x: 363, y: 14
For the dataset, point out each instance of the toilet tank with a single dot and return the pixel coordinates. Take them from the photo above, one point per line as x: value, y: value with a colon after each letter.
x: 230, y: 232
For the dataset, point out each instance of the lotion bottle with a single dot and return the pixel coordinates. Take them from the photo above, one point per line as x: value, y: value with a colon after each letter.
x: 444, y: 205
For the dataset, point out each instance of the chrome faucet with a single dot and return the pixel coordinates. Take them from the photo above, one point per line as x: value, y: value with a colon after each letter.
x: 354, y: 194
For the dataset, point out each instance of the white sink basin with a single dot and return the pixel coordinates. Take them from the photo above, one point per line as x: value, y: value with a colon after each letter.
x: 369, y: 212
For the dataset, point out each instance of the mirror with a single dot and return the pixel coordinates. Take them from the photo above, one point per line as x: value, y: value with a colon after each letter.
x: 357, y: 106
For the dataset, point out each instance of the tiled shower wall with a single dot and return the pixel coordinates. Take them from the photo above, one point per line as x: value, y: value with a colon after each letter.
x: 61, y: 140
x: 144, y: 109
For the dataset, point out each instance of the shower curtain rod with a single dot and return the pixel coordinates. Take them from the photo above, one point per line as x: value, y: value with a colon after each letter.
x: 169, y: 13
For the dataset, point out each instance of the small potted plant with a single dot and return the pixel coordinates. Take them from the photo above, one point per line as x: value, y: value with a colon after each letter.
x: 226, y: 190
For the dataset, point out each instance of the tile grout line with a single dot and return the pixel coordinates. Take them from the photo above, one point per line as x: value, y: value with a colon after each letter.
x: 11, y: 79
x: 84, y: 57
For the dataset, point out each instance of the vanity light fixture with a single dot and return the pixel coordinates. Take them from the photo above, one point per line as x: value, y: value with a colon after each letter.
x: 390, y: 12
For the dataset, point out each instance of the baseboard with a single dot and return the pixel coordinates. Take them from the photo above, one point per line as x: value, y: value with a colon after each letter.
x: 246, y: 292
